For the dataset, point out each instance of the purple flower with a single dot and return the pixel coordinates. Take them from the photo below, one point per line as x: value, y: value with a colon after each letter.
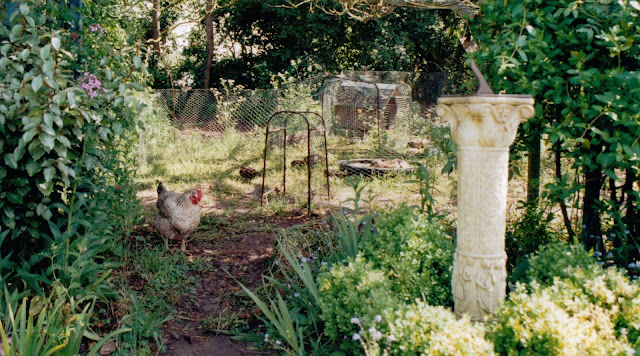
x: 91, y: 84
x: 95, y: 27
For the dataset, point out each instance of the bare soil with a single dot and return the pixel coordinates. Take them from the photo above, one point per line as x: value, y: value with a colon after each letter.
x: 234, y: 246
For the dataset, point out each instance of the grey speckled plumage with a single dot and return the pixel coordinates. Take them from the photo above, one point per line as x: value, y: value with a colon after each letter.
x: 178, y: 214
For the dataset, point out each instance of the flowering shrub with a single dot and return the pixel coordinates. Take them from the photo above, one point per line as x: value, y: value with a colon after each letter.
x: 423, y: 329
x: 571, y: 306
x: 63, y: 146
x: 355, y: 289
x: 561, y: 260
x: 407, y: 258
x: 417, y: 254
x: 91, y: 84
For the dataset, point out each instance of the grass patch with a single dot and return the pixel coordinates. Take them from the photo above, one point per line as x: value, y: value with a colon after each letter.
x: 154, y: 281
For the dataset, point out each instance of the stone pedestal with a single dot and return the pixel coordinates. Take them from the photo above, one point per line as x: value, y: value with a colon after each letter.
x: 483, y: 127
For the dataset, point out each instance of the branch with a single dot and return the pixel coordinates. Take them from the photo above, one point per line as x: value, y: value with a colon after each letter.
x: 364, y: 10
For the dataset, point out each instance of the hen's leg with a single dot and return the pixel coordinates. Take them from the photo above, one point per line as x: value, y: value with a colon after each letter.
x: 183, y: 245
x: 166, y: 244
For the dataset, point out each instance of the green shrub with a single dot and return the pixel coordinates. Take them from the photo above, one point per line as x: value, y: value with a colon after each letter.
x: 422, y: 329
x: 353, y: 290
x: 525, y: 235
x: 570, y: 306
x: 61, y: 135
x: 416, y: 254
x: 534, y: 324
x: 561, y: 260
x: 407, y: 257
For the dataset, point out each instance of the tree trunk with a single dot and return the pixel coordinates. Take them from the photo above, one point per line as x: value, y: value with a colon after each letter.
x: 563, y: 205
x: 630, y: 196
x: 208, y: 20
x: 533, y: 181
x: 591, y: 225
x: 155, y: 23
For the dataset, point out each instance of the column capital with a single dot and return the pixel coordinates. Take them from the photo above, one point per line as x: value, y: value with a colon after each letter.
x: 485, y: 120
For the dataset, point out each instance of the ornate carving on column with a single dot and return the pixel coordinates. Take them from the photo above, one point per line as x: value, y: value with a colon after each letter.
x: 483, y: 127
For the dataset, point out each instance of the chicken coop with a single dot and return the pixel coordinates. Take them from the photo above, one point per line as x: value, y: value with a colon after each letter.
x: 356, y: 105
x: 368, y: 122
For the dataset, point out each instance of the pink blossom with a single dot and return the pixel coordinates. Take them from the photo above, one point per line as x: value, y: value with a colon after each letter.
x: 95, y: 27
x: 91, y: 84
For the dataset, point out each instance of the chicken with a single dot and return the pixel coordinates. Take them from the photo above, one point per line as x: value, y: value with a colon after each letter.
x: 299, y: 163
x: 312, y: 159
x: 178, y: 214
x: 248, y: 173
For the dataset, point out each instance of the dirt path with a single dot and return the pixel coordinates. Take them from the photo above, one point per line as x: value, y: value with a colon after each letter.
x: 240, y: 245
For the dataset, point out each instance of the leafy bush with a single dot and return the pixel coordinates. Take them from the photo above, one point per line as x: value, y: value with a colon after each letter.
x: 354, y: 290
x: 415, y: 253
x: 534, y: 324
x: 575, y: 307
x: 563, y: 261
x: 407, y: 257
x: 422, y: 329
x: 579, y: 59
x: 60, y: 144
x: 526, y: 234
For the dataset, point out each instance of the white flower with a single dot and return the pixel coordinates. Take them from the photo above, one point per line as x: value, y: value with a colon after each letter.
x: 323, y: 263
x: 378, y: 318
x: 391, y: 338
x: 377, y: 335
x: 266, y: 337
x: 297, y: 295
x: 355, y: 337
x: 278, y: 342
x: 597, y: 254
x: 355, y: 320
x: 304, y: 260
x: 372, y: 330
x: 632, y: 265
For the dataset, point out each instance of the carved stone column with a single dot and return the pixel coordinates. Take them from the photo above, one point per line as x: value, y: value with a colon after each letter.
x: 483, y: 127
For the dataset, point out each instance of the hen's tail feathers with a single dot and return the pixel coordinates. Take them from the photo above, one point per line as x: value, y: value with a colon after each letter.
x: 161, y: 187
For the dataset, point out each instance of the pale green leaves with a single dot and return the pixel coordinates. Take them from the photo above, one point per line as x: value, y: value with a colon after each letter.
x: 36, y: 84
x: 45, y: 52
x: 55, y: 43
x: 137, y: 62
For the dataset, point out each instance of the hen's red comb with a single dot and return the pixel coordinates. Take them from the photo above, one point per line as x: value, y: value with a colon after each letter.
x: 199, y: 194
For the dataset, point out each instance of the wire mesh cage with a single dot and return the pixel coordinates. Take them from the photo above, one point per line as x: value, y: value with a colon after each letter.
x: 372, y: 123
x: 357, y: 104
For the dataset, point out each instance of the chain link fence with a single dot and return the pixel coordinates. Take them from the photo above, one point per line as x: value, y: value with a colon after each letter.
x: 371, y: 123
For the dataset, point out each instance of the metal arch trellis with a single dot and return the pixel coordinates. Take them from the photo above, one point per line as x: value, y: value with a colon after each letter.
x: 303, y: 115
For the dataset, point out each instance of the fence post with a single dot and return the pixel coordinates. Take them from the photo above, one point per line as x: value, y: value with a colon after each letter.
x: 483, y: 126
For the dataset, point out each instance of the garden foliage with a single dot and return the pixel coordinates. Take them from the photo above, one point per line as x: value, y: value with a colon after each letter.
x: 64, y: 107
x: 570, y: 306
x: 580, y: 60
x: 66, y: 113
x: 423, y: 329
x: 381, y: 301
x: 407, y: 258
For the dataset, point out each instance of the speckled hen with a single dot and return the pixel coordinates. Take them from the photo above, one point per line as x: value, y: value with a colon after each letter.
x: 178, y: 214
